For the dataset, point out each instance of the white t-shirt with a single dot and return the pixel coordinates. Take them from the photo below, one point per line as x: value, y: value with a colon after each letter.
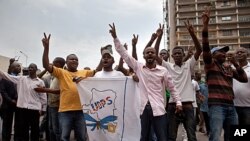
x: 182, y: 78
x: 241, y: 90
x: 196, y: 88
x: 108, y: 74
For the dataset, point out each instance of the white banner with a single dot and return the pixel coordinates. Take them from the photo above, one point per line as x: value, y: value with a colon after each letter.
x: 111, y: 108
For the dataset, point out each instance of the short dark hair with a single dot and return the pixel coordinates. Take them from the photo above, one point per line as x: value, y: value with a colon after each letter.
x: 70, y: 55
x: 60, y: 61
x: 178, y: 47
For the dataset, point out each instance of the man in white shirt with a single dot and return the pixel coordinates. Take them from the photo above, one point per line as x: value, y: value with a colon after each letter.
x: 107, y: 64
x: 30, y: 104
x: 181, y: 73
x: 241, y: 90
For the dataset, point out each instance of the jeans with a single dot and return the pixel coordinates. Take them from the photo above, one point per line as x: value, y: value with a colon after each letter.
x: 159, y: 124
x: 221, y: 117
x: 243, y: 115
x: 72, y: 120
x: 54, y: 128
x: 186, y: 117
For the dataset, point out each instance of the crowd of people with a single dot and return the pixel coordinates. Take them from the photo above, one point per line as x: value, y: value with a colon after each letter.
x: 171, y: 93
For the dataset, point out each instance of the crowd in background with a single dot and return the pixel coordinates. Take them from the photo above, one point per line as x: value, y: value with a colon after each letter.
x: 171, y: 93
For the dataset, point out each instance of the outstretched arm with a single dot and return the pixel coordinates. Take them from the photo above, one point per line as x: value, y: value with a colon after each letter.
x: 159, y: 33
x: 197, y: 44
x: 134, y: 42
x: 41, y: 74
x: 151, y: 41
x: 121, y: 50
x: 207, y: 56
x: 46, y: 64
x: 43, y: 90
x: 120, y: 65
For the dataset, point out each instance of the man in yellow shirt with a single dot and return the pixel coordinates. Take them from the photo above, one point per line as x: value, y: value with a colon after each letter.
x: 70, y: 110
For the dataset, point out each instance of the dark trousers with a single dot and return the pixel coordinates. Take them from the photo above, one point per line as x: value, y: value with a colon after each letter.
x: 206, y: 119
x: 7, y: 116
x: 186, y: 117
x: 159, y: 124
x: 26, y: 120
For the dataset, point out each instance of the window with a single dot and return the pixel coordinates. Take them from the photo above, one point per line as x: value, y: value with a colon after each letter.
x: 227, y: 32
x: 226, y: 3
x: 227, y: 18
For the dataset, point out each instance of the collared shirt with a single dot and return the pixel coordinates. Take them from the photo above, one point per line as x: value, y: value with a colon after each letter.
x: 182, y: 79
x: 27, y: 97
x: 69, y: 96
x: 152, y: 82
x: 241, y: 90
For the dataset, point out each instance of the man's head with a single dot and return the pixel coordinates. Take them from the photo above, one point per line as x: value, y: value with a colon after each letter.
x: 149, y: 54
x: 59, y: 62
x: 72, y: 62
x: 15, y: 67
x: 25, y: 71
x: 230, y: 55
x: 164, y: 54
x: 107, y: 57
x: 178, y: 54
x: 241, y: 54
x: 32, y: 69
x: 219, y: 53
x: 197, y: 75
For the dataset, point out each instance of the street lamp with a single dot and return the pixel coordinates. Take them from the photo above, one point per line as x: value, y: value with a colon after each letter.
x: 26, y: 56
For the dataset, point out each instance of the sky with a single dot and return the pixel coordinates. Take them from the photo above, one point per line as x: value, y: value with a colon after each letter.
x: 80, y: 27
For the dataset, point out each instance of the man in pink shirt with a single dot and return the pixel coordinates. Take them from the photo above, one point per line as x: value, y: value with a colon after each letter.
x: 153, y: 81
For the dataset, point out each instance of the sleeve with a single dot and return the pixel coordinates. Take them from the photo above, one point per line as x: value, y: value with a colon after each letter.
x: 11, y: 78
x: 165, y: 64
x: 192, y: 62
x: 43, y: 98
x: 124, y: 55
x: 170, y: 86
x: 57, y: 72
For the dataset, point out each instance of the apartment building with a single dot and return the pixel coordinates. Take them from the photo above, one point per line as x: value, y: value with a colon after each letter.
x: 229, y: 23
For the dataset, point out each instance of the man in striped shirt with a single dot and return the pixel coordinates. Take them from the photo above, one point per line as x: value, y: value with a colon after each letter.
x: 222, y: 112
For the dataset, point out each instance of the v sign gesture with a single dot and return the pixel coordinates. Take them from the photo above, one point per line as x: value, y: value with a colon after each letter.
x: 45, y: 41
x: 112, y: 31
x: 206, y: 16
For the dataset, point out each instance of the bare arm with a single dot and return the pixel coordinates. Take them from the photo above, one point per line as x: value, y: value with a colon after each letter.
x: 41, y: 74
x: 197, y: 44
x: 134, y: 42
x: 99, y: 67
x: 207, y: 56
x: 151, y: 41
x: 47, y: 90
x: 46, y: 64
x: 159, y: 33
x: 189, y: 54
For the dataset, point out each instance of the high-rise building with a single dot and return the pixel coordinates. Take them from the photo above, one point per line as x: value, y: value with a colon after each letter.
x: 229, y: 22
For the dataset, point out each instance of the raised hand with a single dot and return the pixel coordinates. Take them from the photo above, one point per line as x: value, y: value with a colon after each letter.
x: 112, y: 31
x: 189, y: 26
x: 125, y: 46
x: 153, y: 37
x: 206, y: 16
x: 159, y: 31
x: 134, y: 40
x: 45, y: 40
